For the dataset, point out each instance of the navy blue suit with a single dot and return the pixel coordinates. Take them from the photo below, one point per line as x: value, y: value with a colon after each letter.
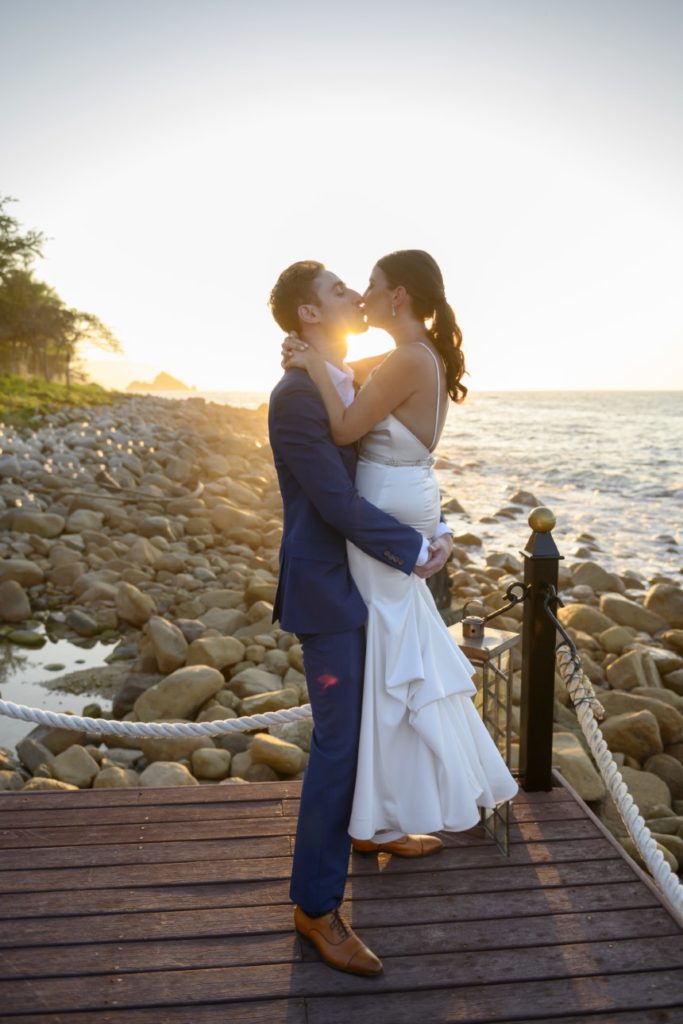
x: 318, y: 600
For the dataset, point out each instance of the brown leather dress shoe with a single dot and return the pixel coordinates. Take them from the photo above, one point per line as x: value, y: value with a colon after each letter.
x: 337, y: 944
x: 406, y: 846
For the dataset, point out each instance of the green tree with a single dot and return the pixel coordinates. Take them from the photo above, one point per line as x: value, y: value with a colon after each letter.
x: 18, y: 249
x: 39, y: 333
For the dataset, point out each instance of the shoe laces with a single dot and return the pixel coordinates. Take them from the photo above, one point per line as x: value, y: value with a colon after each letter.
x: 340, y: 925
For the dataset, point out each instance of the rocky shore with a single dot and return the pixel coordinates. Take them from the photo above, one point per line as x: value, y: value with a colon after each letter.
x: 156, y: 524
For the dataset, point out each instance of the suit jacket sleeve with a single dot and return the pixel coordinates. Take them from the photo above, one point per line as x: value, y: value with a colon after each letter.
x: 304, y: 442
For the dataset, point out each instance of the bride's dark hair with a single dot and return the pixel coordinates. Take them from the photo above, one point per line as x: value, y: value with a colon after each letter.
x: 419, y: 274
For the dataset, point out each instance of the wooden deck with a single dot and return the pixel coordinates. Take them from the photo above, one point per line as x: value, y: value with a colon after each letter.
x: 171, y: 907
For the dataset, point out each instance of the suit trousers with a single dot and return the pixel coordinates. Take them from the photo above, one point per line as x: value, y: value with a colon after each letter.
x: 334, y: 664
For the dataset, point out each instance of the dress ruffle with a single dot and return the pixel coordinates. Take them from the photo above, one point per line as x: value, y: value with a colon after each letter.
x: 426, y: 761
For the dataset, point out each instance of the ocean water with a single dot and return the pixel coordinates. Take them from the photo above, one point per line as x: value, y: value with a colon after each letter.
x: 608, y: 463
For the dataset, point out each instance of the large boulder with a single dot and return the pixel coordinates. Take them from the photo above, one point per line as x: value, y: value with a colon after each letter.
x: 114, y: 776
x: 634, y: 668
x: 635, y: 733
x: 672, y: 637
x: 168, y: 643
x: 172, y: 748
x: 298, y: 732
x: 283, y: 757
x: 614, y: 639
x: 132, y: 605
x: 14, y: 603
x: 10, y: 780
x: 28, y: 574
x: 666, y: 600
x: 75, y: 766
x: 585, y: 618
x: 42, y: 783
x: 217, y: 651
x: 180, y: 695
x: 260, y: 590
x: 43, y: 524
x: 669, y: 719
x: 669, y: 770
x: 625, y: 612
x: 225, y: 620
x: 167, y: 774
x: 229, y: 519
x: 84, y: 519
x: 251, y: 681
x: 275, y: 700
x: 576, y: 766
x: 212, y: 764
x: 674, y: 681
x: 592, y: 575
x: 649, y: 793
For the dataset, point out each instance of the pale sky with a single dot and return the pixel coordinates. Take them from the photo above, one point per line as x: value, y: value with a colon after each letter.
x: 180, y: 154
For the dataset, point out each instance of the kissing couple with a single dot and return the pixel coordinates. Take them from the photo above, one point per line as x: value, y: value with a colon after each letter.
x: 398, y: 750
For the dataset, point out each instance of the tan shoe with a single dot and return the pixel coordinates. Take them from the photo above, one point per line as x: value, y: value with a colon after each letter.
x: 337, y: 944
x: 406, y: 846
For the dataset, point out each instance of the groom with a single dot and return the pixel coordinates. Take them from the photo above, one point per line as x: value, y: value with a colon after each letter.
x: 317, y: 600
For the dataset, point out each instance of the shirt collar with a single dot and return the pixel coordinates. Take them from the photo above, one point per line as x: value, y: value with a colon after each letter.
x: 340, y: 375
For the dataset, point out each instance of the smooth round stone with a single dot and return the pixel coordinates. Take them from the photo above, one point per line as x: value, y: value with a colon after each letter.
x: 26, y: 638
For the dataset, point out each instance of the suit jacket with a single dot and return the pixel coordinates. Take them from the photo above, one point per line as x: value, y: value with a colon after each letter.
x: 322, y: 508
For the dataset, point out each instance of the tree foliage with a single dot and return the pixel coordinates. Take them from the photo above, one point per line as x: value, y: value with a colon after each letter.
x: 39, y: 333
x: 18, y: 249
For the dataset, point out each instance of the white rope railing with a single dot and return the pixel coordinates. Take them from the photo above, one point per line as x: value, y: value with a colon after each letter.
x: 588, y: 709
x: 111, y: 727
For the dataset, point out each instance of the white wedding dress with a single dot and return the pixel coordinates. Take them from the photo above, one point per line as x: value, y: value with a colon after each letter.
x: 426, y: 761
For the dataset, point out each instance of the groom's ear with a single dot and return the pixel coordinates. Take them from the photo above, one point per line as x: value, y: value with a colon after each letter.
x: 309, y: 314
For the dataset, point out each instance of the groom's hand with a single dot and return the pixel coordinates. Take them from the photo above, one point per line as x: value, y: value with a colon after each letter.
x: 439, y: 553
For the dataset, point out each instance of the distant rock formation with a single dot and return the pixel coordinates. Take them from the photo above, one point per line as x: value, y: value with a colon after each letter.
x: 162, y: 382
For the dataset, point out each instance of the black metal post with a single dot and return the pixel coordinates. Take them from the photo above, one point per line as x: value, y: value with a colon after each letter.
x: 541, y: 559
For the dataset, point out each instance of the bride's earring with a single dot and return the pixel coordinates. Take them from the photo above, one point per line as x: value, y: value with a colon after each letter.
x: 393, y: 309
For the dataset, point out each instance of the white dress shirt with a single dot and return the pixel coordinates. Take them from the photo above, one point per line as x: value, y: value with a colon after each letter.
x: 342, y: 378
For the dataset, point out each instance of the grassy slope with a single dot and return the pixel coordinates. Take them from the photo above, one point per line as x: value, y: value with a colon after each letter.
x: 23, y: 399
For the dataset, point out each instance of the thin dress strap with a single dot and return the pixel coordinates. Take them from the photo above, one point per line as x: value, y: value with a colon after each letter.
x: 438, y: 394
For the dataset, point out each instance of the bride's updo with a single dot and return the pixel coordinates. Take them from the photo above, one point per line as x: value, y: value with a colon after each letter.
x: 419, y: 274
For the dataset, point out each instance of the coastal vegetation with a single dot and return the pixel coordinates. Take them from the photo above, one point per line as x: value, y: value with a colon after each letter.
x: 23, y: 400
x: 40, y: 333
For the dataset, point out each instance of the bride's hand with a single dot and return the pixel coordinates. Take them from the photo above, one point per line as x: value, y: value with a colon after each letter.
x: 300, y: 355
x: 292, y: 345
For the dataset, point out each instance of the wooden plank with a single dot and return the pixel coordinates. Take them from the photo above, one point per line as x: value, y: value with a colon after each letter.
x: 401, y: 974
x: 276, y: 1011
x: 495, y: 1004
x: 267, y: 846
x: 225, y: 951
x: 21, y: 838
x: 150, y: 927
x: 254, y: 890
x: 365, y: 882
x: 135, y: 813
x: 551, y: 810
x: 211, y: 793
x: 109, y: 814
x: 148, y: 853
x: 153, y: 832
x: 637, y: 870
x: 240, y: 918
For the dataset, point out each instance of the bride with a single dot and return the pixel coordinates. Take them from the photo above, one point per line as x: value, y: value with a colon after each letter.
x: 425, y: 760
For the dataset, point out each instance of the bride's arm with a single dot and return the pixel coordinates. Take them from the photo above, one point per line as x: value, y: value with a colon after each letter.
x: 392, y: 384
x: 362, y: 368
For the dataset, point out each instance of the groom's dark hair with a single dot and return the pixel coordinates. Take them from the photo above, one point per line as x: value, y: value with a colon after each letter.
x: 294, y: 287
